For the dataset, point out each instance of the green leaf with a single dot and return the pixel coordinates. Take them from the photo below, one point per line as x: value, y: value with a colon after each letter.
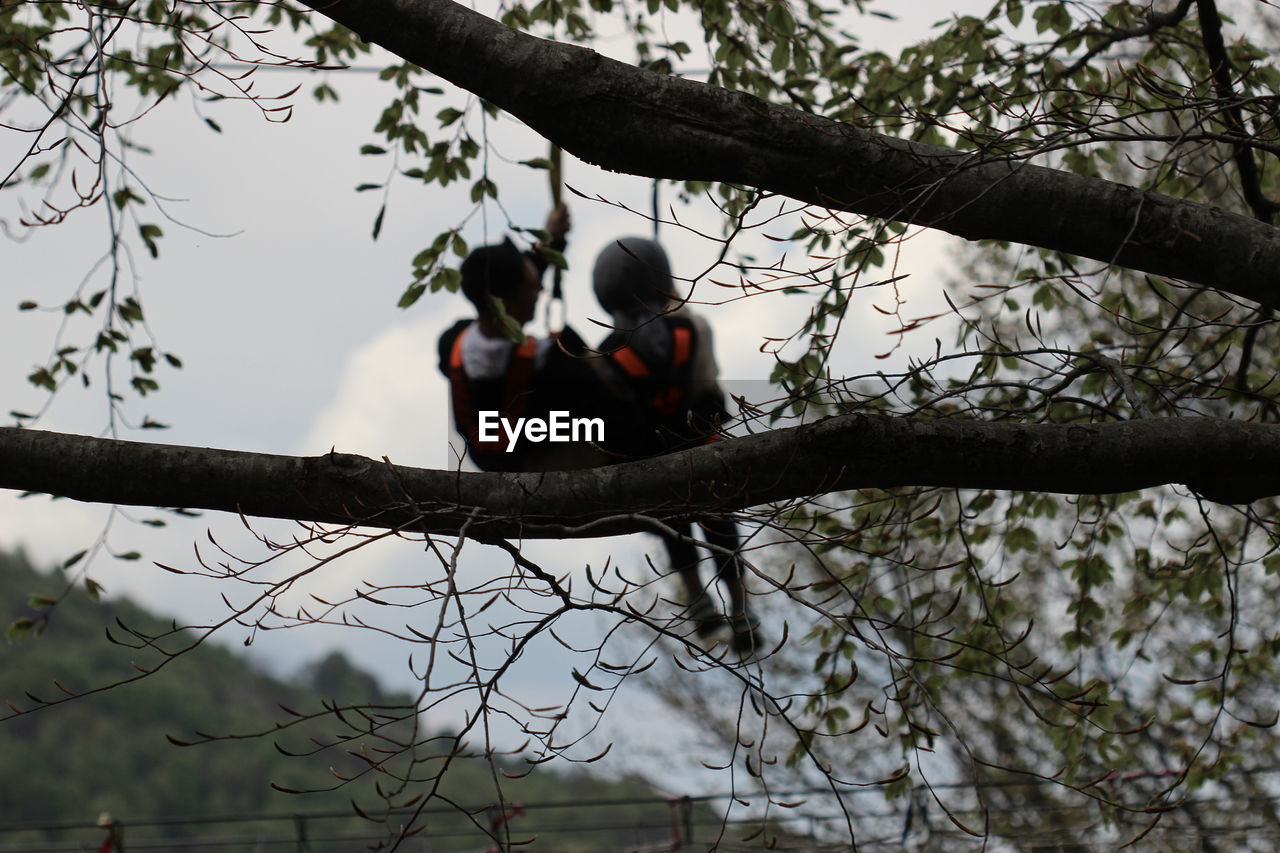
x: 1053, y: 16
x: 145, y: 357
x: 511, y: 329
x: 411, y: 294
x: 426, y: 258
x: 556, y: 259
x: 779, y: 19
x: 150, y: 233
x: 1014, y: 12
x: 130, y: 311
x: 19, y: 629
x: 42, y: 378
x: 93, y: 588
x: 446, y: 279
x: 1021, y: 539
x: 780, y: 58
x: 483, y: 187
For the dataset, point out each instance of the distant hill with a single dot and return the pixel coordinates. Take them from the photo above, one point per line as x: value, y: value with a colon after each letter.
x: 63, y: 766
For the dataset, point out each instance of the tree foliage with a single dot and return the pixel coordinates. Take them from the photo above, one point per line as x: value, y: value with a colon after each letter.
x: 1003, y: 650
x: 106, y: 755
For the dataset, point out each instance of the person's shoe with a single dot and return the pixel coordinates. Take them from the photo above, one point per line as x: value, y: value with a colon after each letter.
x: 704, y: 616
x: 747, y: 639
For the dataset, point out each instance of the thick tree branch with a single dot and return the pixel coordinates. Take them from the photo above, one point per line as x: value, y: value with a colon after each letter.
x: 631, y: 120
x: 1224, y: 460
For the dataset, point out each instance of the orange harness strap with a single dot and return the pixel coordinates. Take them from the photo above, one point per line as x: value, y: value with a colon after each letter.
x: 666, y: 399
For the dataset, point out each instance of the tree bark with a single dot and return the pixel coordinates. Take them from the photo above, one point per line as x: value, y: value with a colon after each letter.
x: 631, y: 120
x: 1224, y: 460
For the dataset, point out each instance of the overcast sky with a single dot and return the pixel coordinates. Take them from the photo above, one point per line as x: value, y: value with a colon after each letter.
x: 283, y: 311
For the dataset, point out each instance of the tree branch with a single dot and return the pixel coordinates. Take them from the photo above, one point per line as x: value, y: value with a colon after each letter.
x: 1155, y: 21
x: 1221, y: 71
x: 1224, y: 460
x: 631, y: 120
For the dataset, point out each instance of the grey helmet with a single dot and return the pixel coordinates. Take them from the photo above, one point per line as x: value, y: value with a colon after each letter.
x: 632, y: 280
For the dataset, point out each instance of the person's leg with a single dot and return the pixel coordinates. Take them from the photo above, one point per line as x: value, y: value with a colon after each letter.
x: 684, y: 557
x: 722, y: 532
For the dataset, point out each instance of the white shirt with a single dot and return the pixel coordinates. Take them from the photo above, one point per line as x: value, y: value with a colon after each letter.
x: 484, y: 357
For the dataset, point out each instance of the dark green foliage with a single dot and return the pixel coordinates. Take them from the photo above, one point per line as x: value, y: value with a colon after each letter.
x: 112, y: 751
x: 108, y: 751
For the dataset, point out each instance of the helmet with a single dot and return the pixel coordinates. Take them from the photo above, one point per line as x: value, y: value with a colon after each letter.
x: 632, y: 279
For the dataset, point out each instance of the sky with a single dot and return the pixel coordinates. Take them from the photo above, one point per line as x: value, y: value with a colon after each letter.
x: 282, y: 308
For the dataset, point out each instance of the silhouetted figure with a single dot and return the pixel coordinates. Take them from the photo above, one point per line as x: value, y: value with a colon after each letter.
x: 491, y: 374
x: 661, y: 353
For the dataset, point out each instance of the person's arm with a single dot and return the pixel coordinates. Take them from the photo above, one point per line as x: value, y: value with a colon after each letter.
x: 557, y: 227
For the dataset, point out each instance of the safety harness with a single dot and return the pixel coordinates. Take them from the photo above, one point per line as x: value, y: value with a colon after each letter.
x: 664, y: 385
x: 511, y: 402
x: 679, y: 420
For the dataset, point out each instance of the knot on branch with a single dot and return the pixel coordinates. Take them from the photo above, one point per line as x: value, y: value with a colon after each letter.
x: 345, y: 465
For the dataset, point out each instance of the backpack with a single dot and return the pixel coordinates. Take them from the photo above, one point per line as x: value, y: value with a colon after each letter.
x: 676, y: 415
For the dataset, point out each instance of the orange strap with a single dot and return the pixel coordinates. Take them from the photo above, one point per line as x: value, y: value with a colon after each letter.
x: 667, y: 399
x: 683, y: 339
x: 630, y: 362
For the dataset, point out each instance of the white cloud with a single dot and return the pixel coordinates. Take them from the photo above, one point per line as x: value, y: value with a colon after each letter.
x: 389, y: 398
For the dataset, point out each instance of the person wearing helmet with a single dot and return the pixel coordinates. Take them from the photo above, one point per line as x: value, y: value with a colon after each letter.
x: 661, y: 353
